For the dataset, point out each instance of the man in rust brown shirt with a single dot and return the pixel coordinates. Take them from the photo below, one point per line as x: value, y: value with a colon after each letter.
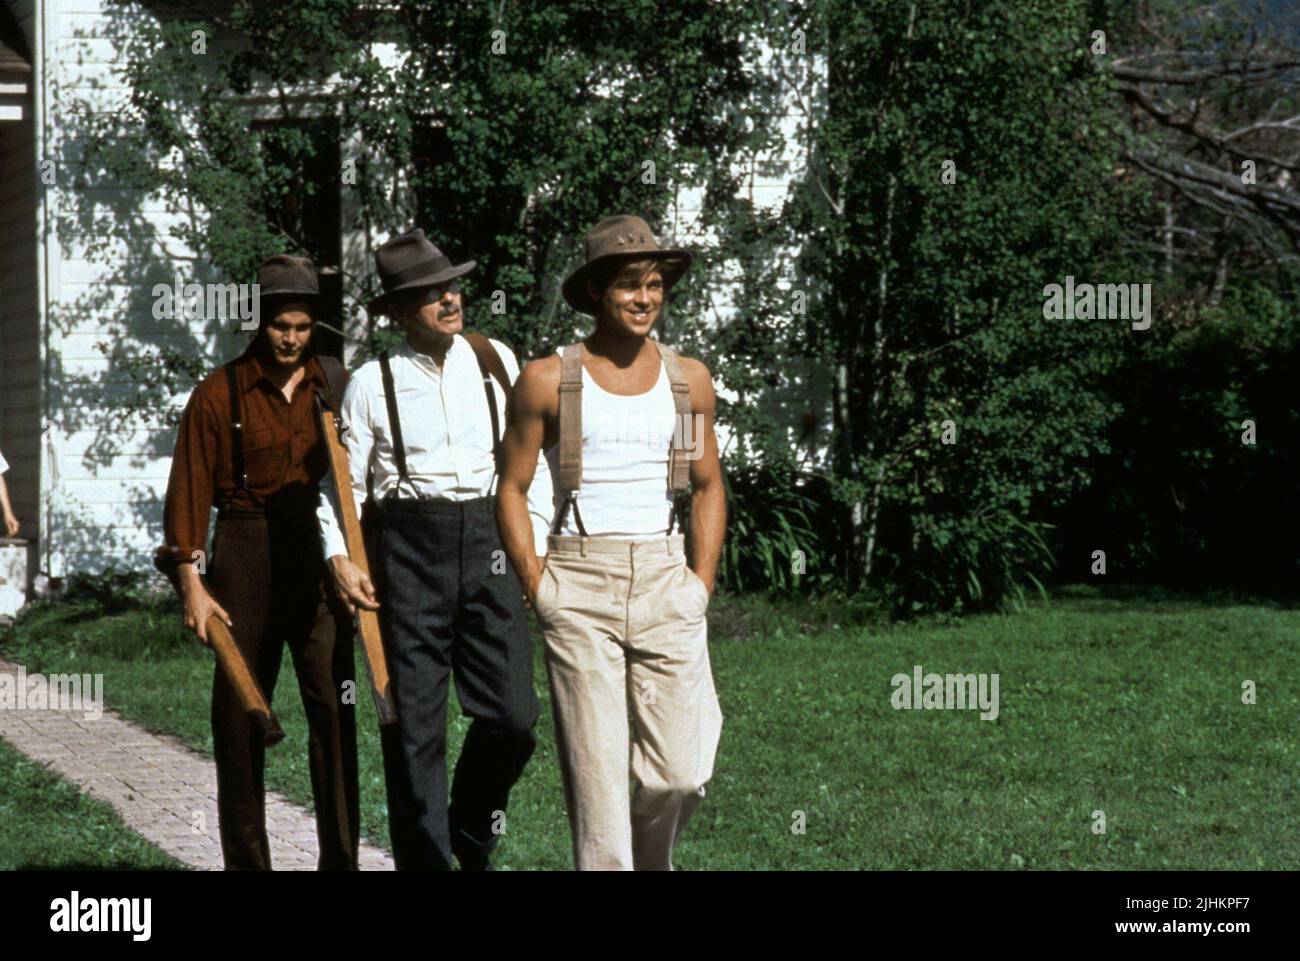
x: 249, y: 444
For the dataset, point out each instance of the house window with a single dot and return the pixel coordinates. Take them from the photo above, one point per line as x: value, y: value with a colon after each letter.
x: 306, y: 208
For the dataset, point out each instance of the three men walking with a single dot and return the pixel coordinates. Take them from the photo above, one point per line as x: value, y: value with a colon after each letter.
x: 443, y: 435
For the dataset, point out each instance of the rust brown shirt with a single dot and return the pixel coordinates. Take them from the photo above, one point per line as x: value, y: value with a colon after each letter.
x: 284, y: 453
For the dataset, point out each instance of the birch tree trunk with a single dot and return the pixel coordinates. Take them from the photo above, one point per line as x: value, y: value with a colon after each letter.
x: 868, y: 514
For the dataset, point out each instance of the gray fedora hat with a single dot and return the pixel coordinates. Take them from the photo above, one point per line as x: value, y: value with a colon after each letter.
x: 287, y: 277
x: 411, y: 260
x: 621, y: 237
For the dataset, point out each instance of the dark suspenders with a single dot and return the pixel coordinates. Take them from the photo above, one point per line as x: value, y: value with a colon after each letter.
x: 395, y: 422
x: 236, y: 428
x: 330, y: 368
x: 496, y: 427
x: 489, y: 366
x: 570, y: 501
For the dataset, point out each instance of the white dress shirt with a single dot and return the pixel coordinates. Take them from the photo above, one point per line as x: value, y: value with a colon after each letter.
x: 446, y: 430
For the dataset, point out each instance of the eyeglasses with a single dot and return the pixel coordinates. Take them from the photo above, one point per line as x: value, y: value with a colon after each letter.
x: 431, y: 295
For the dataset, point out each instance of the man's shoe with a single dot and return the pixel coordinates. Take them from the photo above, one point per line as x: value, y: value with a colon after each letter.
x: 469, y: 853
x: 475, y: 862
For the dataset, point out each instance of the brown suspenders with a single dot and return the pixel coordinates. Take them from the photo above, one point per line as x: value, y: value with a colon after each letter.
x: 490, y: 365
x: 569, y: 476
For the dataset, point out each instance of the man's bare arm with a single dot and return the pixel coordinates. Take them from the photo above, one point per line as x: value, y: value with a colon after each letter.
x: 11, y: 525
x: 708, y: 521
x: 530, y: 424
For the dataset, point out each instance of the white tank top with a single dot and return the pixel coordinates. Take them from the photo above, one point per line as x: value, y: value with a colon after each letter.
x: 625, y: 442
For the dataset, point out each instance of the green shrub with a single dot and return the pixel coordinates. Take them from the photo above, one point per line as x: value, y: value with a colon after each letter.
x: 775, y: 535
x: 975, y: 562
x: 115, y: 590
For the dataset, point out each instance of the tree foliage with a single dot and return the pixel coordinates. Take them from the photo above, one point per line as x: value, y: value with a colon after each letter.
x: 930, y: 303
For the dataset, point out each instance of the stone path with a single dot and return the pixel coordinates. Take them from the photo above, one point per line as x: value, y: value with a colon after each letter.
x: 162, y: 790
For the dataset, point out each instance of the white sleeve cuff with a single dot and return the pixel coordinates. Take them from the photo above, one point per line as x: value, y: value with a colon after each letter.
x: 331, y: 536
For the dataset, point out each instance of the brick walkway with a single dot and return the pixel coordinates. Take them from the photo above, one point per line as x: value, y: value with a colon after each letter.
x: 162, y: 790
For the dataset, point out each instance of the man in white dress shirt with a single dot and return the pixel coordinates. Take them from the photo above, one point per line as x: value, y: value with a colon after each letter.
x: 422, y: 427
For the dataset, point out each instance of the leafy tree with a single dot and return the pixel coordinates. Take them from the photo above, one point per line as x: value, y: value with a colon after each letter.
x: 930, y: 306
x: 1197, y: 485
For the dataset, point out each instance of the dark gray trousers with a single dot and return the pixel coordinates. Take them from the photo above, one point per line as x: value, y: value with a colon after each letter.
x: 452, y: 604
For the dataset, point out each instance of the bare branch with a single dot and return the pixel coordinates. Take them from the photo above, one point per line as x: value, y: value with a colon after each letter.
x: 1241, y: 72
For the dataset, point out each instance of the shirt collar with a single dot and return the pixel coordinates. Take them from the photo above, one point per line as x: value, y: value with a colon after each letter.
x: 254, y: 357
x: 425, y: 361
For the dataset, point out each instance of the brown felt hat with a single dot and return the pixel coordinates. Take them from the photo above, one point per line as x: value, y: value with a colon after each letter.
x: 286, y: 276
x: 622, y: 237
x: 411, y: 260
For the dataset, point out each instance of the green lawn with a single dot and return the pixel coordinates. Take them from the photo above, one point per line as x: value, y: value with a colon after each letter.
x: 46, y: 823
x: 1126, y: 702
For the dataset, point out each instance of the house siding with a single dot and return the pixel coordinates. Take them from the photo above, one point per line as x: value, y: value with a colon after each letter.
x: 106, y: 466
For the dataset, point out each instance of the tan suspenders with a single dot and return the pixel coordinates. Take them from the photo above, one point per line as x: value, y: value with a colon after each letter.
x: 569, y: 477
x: 490, y: 366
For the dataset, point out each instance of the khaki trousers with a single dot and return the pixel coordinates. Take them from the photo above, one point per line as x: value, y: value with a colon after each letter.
x: 626, y: 634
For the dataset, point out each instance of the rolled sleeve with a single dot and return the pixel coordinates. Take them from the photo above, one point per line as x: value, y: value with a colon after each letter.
x: 190, y: 486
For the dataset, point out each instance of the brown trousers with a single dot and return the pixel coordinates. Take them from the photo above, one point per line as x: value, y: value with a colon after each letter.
x: 268, y: 573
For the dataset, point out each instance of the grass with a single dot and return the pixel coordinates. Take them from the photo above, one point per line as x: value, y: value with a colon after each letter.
x: 47, y: 824
x: 1127, y: 702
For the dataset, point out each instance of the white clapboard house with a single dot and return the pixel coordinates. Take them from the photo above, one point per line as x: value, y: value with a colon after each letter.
x: 86, y: 482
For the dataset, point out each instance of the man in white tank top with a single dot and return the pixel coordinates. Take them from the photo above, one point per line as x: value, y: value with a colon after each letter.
x: 627, y: 426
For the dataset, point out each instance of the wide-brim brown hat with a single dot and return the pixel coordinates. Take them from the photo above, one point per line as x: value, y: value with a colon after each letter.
x: 286, y: 277
x: 622, y: 237
x: 411, y: 260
